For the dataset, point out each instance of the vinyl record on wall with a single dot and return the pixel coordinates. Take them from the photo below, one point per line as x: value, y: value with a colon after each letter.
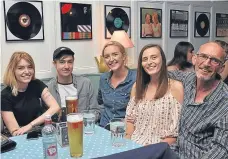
x: 76, y: 21
x: 24, y: 21
x: 202, y: 24
x: 117, y: 18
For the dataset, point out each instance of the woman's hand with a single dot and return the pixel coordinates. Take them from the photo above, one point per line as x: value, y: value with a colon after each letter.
x: 127, y: 136
x: 22, y: 130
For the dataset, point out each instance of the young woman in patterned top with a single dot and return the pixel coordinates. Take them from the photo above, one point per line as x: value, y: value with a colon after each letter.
x: 153, y: 110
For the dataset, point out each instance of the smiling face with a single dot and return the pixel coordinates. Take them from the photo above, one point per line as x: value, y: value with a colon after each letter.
x: 114, y: 58
x: 155, y: 18
x: 152, y: 61
x: 147, y: 18
x: 64, y: 65
x: 24, y: 72
x: 205, y: 67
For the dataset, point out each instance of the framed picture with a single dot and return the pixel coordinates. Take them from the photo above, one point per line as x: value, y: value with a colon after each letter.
x: 150, y: 23
x: 117, y: 18
x: 76, y: 21
x: 221, y: 25
x: 178, y: 23
x: 202, y: 24
x: 23, y: 20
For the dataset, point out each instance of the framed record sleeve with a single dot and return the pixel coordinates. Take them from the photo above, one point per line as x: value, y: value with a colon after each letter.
x: 178, y: 23
x: 76, y: 21
x: 221, y: 25
x: 202, y: 24
x: 150, y: 23
x: 117, y: 18
x: 23, y: 20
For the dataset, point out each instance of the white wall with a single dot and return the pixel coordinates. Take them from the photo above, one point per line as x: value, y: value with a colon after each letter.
x: 85, y: 50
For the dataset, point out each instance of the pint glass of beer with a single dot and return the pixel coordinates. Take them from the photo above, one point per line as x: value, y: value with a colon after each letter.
x: 75, y: 134
x: 71, y: 104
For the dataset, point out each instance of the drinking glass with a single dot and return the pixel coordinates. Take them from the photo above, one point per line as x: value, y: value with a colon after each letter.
x: 75, y: 134
x: 117, y: 128
x: 89, y: 121
x: 71, y: 104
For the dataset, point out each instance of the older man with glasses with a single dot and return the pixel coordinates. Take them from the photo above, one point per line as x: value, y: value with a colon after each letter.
x: 203, y: 128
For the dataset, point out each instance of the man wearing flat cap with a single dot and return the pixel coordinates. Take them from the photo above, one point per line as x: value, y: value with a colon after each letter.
x: 66, y: 83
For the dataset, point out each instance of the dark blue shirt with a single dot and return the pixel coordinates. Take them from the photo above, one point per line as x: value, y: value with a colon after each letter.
x: 114, y: 100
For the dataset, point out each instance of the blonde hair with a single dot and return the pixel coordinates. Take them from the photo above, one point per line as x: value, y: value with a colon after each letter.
x: 9, y: 78
x: 115, y: 43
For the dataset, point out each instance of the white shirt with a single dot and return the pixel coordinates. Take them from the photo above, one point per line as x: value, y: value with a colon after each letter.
x: 66, y: 90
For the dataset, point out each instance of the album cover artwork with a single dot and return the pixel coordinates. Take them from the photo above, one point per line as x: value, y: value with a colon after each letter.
x: 150, y: 23
x: 221, y: 25
x: 178, y: 23
x: 117, y: 18
x: 202, y: 24
x: 23, y: 20
x: 76, y: 21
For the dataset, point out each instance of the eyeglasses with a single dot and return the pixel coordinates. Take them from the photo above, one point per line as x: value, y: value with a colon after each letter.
x: 204, y: 57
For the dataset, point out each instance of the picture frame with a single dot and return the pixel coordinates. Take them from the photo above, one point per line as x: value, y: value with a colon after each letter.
x: 178, y: 23
x: 221, y: 25
x: 117, y: 18
x: 76, y: 21
x: 150, y: 23
x: 28, y: 26
x: 202, y: 24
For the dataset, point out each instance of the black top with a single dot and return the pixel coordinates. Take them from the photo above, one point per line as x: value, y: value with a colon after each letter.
x: 226, y: 80
x: 26, y: 105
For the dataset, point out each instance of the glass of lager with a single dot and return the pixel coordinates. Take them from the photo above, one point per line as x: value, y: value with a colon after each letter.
x: 71, y: 104
x: 75, y: 134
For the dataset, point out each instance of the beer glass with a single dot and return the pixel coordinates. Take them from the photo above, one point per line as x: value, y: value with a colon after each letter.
x: 117, y: 128
x: 71, y: 104
x: 75, y: 134
x: 89, y: 121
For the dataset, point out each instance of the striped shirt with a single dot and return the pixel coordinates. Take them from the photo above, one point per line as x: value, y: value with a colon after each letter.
x: 203, y: 127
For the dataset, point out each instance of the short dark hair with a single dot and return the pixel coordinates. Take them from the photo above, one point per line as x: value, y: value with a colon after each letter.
x: 62, y: 51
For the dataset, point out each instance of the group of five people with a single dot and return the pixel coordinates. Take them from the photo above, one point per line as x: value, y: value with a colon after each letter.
x: 187, y: 109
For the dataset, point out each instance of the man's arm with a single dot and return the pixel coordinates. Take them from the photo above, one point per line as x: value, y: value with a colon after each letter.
x: 93, y: 105
x: 219, y: 147
x: 178, y: 75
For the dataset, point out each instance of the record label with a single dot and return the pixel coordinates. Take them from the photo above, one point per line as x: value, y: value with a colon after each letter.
x: 24, y: 20
x: 117, y: 19
x: 118, y: 22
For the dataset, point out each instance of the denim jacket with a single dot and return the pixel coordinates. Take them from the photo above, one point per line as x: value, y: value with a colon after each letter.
x: 114, y: 101
x: 86, y: 95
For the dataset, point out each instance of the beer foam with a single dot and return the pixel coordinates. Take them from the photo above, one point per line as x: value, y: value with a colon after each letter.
x: 74, y: 118
x: 71, y: 98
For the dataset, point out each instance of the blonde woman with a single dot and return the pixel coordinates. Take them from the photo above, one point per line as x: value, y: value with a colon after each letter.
x: 154, y: 108
x: 115, y: 86
x: 156, y: 25
x: 20, y: 99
